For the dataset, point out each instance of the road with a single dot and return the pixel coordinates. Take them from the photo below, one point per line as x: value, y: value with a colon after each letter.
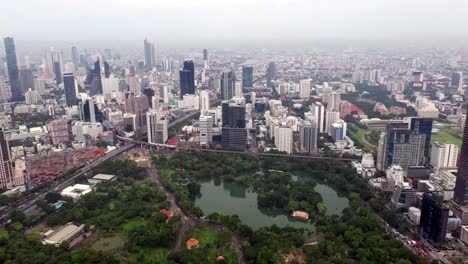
x: 222, y: 151
x: 189, y: 221
x: 25, y: 204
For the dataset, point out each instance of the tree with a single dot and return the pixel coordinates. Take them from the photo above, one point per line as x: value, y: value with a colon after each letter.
x: 194, y: 188
x: 52, y: 197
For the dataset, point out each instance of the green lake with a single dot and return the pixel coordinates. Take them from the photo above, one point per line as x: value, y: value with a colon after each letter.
x: 229, y: 198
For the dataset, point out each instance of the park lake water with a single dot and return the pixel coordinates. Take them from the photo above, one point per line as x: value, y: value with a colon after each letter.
x: 230, y: 198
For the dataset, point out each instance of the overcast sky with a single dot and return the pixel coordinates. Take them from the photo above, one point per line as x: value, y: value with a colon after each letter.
x: 244, y: 21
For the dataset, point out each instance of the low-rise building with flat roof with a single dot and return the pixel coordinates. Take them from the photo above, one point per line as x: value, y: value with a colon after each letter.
x: 76, y: 191
x: 65, y: 233
x: 99, y: 178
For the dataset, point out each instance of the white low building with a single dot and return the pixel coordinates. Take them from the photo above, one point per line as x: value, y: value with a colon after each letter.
x: 76, y: 191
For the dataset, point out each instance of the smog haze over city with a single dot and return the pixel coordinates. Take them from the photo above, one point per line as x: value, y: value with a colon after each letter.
x: 246, y: 23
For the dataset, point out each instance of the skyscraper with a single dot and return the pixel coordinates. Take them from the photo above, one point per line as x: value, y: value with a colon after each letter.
x: 27, y: 79
x: 206, y: 124
x: 75, y: 56
x: 157, y: 127
x: 17, y: 94
x: 407, y: 144
x: 58, y: 73
x: 93, y: 79
x: 228, y: 85
x: 270, y: 74
x: 106, y: 69
x: 308, y: 136
x: 233, y: 115
x: 284, y: 140
x: 205, y: 54
x: 70, y: 90
x: 6, y: 170
x: 187, y: 78
x: 461, y: 185
x: 318, y: 110
x: 247, y: 76
x: 434, y: 216
x: 150, y: 54
x: 204, y: 100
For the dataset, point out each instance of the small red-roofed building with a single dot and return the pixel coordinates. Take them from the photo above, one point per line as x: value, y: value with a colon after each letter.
x: 168, y: 213
x: 192, y: 243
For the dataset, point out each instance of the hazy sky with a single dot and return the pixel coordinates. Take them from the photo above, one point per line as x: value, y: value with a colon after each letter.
x: 244, y: 21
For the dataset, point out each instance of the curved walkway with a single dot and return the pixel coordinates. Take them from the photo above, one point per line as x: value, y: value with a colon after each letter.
x: 188, y: 221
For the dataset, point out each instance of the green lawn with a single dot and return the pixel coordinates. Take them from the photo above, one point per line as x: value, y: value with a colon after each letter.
x: 130, y: 225
x: 108, y: 243
x: 150, y: 255
x: 204, y: 236
x: 213, y: 244
x: 358, y: 134
x: 453, y: 137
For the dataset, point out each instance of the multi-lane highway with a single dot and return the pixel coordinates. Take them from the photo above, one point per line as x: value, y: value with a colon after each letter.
x: 25, y: 204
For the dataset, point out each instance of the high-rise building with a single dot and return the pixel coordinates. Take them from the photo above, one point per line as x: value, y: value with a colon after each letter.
x: 93, y: 79
x: 461, y: 184
x: 332, y: 100
x: 305, y: 88
x: 206, y: 127
x: 331, y: 118
x: 457, y: 80
x: 338, y: 130
x: 205, y: 54
x: 31, y: 96
x: 13, y: 72
x: 5, y: 92
x: 107, y: 70
x: 133, y: 84
x: 444, y: 155
x: 88, y: 110
x: 234, y: 138
x: 138, y: 105
x: 434, y: 216
x: 284, y: 140
x: 318, y: 110
x: 59, y: 131
x: 228, y: 85
x: 247, y: 76
x: 150, y: 54
x: 187, y: 79
x: 75, y: 56
x: 407, y: 144
x: 270, y: 74
x: 233, y: 115
x: 58, y: 73
x: 6, y: 170
x: 110, y: 86
x: 54, y: 64
x: 39, y: 85
x: 204, y: 101
x: 184, y: 82
x: 157, y: 127
x: 70, y: 89
x: 27, y: 79
x: 308, y: 136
